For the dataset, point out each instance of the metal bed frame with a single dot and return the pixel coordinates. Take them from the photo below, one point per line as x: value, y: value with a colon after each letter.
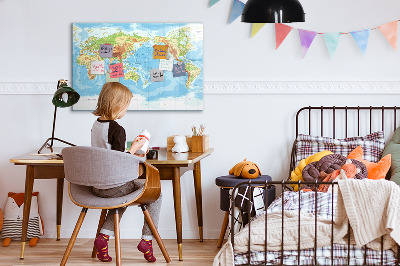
x: 283, y: 184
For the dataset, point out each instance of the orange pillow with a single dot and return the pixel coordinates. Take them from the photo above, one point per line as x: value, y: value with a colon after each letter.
x: 375, y: 170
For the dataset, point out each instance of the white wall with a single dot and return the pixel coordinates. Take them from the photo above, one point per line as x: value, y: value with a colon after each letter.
x: 35, y: 46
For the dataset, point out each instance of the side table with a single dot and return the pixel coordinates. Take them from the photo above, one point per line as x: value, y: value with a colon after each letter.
x: 226, y: 183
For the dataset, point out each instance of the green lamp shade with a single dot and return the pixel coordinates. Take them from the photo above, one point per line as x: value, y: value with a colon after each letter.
x: 65, y: 96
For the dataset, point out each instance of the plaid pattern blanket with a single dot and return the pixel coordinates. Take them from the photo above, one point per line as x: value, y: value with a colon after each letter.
x: 321, y: 205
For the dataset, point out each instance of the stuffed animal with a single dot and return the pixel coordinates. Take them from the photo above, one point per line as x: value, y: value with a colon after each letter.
x: 180, y: 144
x: 1, y: 220
x: 348, y: 170
x: 13, y: 215
x: 245, y: 169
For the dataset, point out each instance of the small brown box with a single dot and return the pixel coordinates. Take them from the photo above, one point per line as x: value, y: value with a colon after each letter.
x: 200, y: 143
x: 171, y: 143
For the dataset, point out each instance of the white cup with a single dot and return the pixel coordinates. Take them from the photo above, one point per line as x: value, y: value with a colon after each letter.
x: 144, y: 134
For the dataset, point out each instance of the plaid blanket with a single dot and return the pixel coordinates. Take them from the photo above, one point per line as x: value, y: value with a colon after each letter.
x: 323, y: 205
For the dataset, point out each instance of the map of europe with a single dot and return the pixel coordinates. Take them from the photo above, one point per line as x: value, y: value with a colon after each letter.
x: 161, y: 63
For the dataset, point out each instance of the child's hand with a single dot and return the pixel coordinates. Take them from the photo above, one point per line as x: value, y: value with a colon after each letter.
x: 137, y: 144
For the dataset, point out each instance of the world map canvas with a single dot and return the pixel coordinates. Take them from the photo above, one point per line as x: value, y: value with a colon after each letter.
x: 161, y: 63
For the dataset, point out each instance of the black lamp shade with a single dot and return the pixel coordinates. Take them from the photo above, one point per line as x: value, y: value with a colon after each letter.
x: 73, y: 96
x: 273, y: 11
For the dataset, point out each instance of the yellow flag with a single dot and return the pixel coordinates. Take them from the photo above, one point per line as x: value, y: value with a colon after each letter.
x: 256, y: 28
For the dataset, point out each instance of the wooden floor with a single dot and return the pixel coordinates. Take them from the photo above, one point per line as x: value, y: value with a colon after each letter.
x: 50, y: 252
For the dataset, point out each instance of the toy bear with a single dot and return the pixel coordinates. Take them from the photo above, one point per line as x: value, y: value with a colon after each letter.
x: 245, y: 169
x: 13, y: 215
x: 180, y: 144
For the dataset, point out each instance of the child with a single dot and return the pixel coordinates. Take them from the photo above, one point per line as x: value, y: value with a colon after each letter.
x: 112, y: 104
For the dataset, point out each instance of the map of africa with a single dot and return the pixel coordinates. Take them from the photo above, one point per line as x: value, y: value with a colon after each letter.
x: 162, y: 63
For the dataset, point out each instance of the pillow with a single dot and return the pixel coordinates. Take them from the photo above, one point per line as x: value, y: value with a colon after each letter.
x: 375, y: 170
x: 393, y: 148
x: 372, y: 144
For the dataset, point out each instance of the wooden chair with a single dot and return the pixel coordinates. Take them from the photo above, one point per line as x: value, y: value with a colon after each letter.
x: 85, y: 167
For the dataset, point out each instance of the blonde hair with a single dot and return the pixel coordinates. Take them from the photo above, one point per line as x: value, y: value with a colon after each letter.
x: 113, y: 98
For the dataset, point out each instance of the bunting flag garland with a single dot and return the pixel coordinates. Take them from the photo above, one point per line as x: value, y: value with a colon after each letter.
x: 332, y: 41
x: 213, y: 2
x: 256, y: 27
x: 237, y: 9
x: 361, y: 37
x: 281, y: 31
x: 389, y: 30
x: 306, y: 39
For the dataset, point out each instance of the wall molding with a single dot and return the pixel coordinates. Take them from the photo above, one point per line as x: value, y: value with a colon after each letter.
x: 244, y: 87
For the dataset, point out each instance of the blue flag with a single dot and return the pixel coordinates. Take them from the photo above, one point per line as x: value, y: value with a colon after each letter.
x: 237, y: 9
x: 361, y: 38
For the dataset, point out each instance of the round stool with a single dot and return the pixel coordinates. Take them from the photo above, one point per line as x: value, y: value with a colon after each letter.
x: 228, y: 182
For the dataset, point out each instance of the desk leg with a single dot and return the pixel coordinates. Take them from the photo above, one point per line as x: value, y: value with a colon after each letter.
x: 27, y: 206
x: 199, y: 204
x: 176, y: 182
x: 60, y: 190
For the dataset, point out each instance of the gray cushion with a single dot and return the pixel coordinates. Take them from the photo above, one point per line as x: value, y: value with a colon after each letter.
x: 393, y: 148
x: 99, y: 167
x: 83, y: 195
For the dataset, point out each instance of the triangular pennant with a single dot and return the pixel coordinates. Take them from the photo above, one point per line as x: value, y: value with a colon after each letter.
x: 361, y: 37
x: 237, y: 9
x: 256, y: 27
x: 281, y: 31
x: 332, y: 41
x: 213, y: 2
x: 389, y: 30
x: 306, y: 39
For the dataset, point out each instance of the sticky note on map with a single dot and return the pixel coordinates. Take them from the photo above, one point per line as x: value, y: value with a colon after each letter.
x: 117, y: 70
x: 97, y: 67
x: 110, y: 79
x: 160, y: 51
x: 179, y: 70
x: 157, y: 75
x: 166, y: 64
x: 106, y: 50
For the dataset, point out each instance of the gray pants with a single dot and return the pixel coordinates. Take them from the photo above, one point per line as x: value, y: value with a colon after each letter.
x: 154, y: 208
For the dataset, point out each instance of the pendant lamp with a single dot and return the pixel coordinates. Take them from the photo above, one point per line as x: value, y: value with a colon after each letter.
x: 63, y: 97
x: 273, y: 11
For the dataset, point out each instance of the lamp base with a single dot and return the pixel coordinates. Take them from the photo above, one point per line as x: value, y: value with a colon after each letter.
x: 50, y: 146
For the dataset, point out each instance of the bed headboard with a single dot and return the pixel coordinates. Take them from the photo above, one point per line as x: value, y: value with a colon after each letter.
x: 344, y: 121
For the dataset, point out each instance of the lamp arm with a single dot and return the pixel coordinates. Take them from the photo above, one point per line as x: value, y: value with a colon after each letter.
x: 54, y: 126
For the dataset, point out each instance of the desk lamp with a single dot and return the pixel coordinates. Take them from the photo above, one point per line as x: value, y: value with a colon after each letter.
x: 273, y: 11
x: 63, y: 97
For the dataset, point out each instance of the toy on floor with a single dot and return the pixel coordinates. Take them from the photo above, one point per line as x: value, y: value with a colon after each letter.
x: 245, y: 169
x: 13, y: 215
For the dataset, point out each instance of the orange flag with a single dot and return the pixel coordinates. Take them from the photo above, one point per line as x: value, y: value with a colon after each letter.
x: 389, y: 30
x: 281, y: 31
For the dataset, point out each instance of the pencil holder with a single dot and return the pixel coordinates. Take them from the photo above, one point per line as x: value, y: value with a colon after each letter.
x: 200, y: 143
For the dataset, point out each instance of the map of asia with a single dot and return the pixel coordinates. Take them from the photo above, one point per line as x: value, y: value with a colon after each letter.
x: 161, y: 63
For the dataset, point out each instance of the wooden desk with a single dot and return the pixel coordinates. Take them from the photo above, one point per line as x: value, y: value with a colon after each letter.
x: 171, y: 167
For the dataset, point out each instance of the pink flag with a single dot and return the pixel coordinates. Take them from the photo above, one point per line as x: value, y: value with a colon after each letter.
x: 281, y: 31
x: 306, y: 39
x: 389, y: 30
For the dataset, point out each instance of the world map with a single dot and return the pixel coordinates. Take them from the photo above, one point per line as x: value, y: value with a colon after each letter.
x: 175, y: 84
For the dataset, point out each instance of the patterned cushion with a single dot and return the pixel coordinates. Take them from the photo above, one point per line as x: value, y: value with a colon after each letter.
x: 372, y: 144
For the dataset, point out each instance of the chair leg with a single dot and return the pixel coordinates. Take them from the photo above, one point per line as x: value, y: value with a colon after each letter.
x: 73, y: 237
x: 223, y: 229
x: 117, y: 238
x: 154, y: 230
x: 101, y: 222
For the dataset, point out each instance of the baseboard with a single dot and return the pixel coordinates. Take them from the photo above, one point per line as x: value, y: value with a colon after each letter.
x: 245, y: 87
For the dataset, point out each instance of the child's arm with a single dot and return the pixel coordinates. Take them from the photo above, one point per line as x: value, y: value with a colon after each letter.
x: 137, y: 144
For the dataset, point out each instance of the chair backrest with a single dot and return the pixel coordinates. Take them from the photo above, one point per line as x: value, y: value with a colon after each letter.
x: 92, y: 166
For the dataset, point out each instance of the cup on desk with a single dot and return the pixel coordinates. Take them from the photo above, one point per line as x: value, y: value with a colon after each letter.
x: 152, y: 155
